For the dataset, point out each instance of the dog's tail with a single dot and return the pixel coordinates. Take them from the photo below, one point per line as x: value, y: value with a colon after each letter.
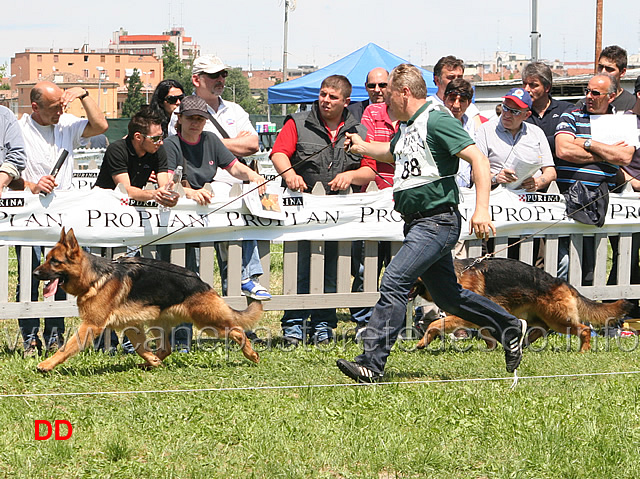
x: 601, y: 314
x: 247, y: 318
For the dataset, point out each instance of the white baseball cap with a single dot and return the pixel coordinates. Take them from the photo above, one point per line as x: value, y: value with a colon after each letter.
x: 208, y: 64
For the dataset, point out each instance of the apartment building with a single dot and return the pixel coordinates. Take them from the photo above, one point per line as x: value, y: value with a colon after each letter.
x: 87, y: 64
x: 186, y: 48
x: 104, y: 92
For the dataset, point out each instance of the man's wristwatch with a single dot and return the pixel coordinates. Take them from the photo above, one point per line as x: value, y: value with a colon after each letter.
x: 587, y: 144
x: 82, y: 97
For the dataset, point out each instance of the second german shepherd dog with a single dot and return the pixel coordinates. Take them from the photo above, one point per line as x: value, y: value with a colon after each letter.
x: 135, y: 292
x: 530, y: 293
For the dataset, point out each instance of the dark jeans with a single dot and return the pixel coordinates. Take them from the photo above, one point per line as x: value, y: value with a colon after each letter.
x: 29, y: 327
x: 322, y: 321
x: 588, y: 259
x: 635, y: 259
x: 426, y: 252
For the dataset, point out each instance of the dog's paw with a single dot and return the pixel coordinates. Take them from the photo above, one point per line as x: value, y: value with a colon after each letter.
x: 43, y: 367
x: 149, y: 366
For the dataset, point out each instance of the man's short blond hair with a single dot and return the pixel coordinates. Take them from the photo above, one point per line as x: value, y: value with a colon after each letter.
x: 407, y: 75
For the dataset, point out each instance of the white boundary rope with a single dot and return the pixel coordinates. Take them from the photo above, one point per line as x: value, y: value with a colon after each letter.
x: 312, y: 386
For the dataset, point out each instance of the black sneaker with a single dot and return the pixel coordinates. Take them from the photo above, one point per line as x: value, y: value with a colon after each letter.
x: 357, y: 372
x: 255, y: 340
x: 513, y: 348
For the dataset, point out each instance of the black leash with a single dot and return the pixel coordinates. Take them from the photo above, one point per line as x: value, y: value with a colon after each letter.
x: 279, y: 175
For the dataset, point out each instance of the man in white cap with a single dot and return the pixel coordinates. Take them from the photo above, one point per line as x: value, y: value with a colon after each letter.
x: 233, y: 126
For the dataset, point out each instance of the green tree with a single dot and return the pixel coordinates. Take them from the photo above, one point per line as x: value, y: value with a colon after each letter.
x: 173, y: 68
x: 135, y: 99
x: 237, y: 90
x: 4, y: 74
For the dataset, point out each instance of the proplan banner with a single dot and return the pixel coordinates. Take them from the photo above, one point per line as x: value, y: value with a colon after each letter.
x: 109, y: 218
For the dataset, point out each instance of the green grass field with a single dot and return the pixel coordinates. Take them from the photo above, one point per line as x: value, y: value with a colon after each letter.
x: 213, y: 414
x: 444, y: 413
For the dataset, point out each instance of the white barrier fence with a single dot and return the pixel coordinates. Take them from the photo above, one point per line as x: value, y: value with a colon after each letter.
x: 98, y: 217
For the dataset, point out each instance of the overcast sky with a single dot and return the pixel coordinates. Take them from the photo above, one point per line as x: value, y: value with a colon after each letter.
x: 244, y: 32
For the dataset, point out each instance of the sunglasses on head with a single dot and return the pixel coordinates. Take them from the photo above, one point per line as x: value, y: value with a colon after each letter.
x: 213, y: 76
x: 380, y: 85
x: 594, y: 93
x: 173, y: 99
x: 513, y: 111
x: 155, y: 139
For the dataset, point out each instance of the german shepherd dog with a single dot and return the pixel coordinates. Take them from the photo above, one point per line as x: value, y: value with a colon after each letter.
x: 526, y: 292
x: 133, y: 292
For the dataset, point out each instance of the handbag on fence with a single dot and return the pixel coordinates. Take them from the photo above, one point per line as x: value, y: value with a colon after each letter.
x: 587, y: 206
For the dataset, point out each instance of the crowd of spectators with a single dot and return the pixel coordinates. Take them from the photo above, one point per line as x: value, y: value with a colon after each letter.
x: 533, y: 141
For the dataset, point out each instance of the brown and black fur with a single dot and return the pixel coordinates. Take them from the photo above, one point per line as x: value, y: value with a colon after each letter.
x: 131, y: 293
x: 530, y: 293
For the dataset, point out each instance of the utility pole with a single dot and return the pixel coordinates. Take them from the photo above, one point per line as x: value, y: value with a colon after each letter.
x: 289, y: 5
x: 598, y: 34
x: 535, y: 35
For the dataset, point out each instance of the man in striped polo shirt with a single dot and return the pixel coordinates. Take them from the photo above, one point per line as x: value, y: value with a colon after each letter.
x: 581, y: 158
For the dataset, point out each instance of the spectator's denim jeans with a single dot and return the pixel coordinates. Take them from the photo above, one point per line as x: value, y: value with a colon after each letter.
x: 322, y: 320
x: 29, y: 327
x: 426, y: 253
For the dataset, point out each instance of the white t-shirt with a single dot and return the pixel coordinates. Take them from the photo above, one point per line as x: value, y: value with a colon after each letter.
x: 45, y: 143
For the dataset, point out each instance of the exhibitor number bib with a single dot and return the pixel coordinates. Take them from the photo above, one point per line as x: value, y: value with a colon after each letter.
x: 414, y: 162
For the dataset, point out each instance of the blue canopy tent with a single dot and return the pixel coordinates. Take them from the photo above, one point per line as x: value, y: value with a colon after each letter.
x: 354, y: 66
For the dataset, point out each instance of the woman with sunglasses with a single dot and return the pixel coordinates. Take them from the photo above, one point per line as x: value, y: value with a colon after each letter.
x: 166, y: 98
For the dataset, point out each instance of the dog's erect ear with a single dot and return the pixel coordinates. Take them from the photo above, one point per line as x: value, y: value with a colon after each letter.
x: 62, y: 236
x: 70, y: 240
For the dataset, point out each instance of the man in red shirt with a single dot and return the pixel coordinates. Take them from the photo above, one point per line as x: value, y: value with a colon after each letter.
x: 312, y: 142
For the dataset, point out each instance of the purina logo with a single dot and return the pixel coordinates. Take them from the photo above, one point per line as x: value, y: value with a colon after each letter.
x: 538, y: 198
x: 140, y: 204
x: 11, y: 202
x: 293, y: 201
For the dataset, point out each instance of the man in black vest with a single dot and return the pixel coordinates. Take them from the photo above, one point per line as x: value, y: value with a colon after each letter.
x: 313, y: 143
